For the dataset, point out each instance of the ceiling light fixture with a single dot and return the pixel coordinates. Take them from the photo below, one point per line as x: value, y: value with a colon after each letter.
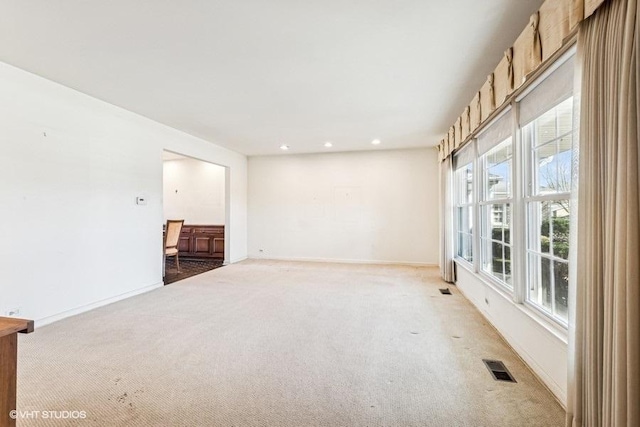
x: 284, y: 147
x: 328, y: 144
x: 376, y: 142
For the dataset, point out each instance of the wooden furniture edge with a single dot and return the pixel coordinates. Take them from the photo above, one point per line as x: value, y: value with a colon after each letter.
x: 11, y: 325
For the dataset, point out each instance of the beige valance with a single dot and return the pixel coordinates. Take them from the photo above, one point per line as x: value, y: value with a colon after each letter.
x: 548, y: 31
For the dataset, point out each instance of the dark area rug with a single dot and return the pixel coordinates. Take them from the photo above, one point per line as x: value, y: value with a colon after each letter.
x: 188, y: 267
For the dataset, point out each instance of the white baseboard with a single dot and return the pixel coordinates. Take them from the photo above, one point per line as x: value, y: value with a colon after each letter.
x: 78, y: 310
x: 345, y: 261
x: 233, y: 261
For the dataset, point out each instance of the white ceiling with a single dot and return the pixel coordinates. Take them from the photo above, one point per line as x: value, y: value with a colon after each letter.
x: 254, y: 74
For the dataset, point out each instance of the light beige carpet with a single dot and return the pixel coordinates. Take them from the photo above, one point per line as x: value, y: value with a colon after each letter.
x: 265, y: 343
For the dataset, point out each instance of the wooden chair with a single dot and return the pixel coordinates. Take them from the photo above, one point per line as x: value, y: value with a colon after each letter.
x: 172, y: 238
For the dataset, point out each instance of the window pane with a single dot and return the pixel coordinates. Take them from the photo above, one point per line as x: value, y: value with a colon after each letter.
x: 464, y: 184
x: 468, y: 183
x: 496, y: 252
x: 553, y: 167
x: 462, y: 220
x: 540, y: 281
x: 561, y: 280
x: 550, y: 224
x: 564, y: 161
x: 465, y: 245
x: 468, y: 255
x: 465, y: 230
x: 559, y: 228
x: 506, y: 225
x: 545, y: 282
x: 550, y: 138
x: 547, y: 119
x: 488, y: 255
x: 464, y: 211
x: 507, y: 265
x: 497, y: 261
x: 549, y: 285
x: 497, y: 174
x: 497, y: 222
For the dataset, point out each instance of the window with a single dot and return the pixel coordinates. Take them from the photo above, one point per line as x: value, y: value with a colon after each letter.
x: 464, y: 205
x: 495, y: 211
x: 495, y: 164
x: 514, y: 183
x: 548, y: 140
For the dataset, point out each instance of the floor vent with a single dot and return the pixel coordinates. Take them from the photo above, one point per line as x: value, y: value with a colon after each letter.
x: 445, y: 291
x: 499, y: 371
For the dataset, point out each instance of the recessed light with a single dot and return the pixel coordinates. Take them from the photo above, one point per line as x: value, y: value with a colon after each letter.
x: 284, y: 147
x: 328, y: 144
x: 376, y: 142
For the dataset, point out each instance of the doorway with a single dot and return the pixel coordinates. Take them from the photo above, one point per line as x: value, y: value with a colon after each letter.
x: 194, y: 191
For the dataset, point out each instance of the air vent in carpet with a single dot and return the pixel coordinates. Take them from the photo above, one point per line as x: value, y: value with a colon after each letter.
x: 499, y: 371
x: 445, y: 291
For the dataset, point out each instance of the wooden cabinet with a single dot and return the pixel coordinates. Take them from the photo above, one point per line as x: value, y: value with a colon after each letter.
x: 202, y: 241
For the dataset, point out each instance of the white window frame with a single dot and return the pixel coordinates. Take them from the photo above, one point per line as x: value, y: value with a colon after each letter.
x: 520, y: 198
x: 467, y: 204
x: 532, y: 221
x: 484, y: 203
x: 486, y: 230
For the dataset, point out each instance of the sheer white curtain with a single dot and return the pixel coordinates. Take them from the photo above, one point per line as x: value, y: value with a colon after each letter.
x: 604, y: 388
x: 446, y: 220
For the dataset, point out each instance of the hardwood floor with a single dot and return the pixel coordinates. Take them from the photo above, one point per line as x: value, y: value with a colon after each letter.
x: 188, y: 267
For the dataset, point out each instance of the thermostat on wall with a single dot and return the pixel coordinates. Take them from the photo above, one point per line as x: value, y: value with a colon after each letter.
x: 141, y: 200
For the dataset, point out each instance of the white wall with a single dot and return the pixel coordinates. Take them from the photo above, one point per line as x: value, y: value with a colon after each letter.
x: 374, y: 206
x: 539, y: 343
x: 71, y: 167
x: 193, y: 190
